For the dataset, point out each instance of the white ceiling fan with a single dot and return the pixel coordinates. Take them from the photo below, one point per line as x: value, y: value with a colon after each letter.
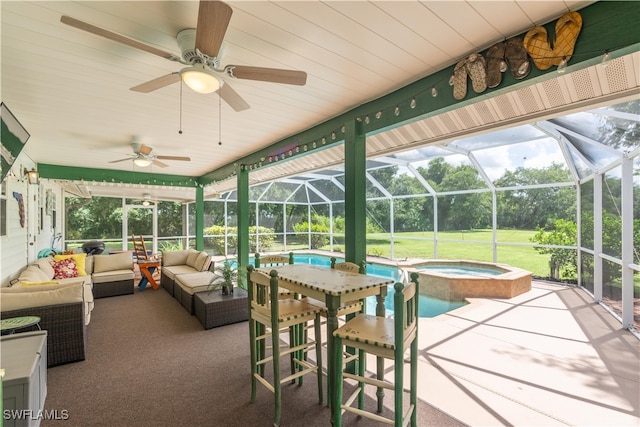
x: 200, y: 51
x: 142, y: 157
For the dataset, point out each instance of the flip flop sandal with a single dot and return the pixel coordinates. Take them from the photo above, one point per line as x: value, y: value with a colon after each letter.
x: 567, y: 30
x: 496, y: 64
x: 517, y: 58
x: 477, y: 69
x: 537, y: 44
x: 459, y: 80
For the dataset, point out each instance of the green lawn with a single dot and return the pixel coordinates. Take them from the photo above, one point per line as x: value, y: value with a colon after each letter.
x: 472, y: 245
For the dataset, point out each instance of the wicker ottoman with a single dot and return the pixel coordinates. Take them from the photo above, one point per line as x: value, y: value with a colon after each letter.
x: 188, y: 284
x: 214, y: 309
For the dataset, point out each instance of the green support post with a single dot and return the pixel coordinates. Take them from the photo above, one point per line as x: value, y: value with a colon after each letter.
x: 355, y: 200
x: 243, y: 223
x: 200, y: 218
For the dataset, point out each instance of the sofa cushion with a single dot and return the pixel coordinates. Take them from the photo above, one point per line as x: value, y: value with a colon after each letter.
x: 18, y: 297
x: 65, y: 269
x: 202, y: 261
x: 78, y: 258
x: 104, y: 263
x: 172, y: 271
x: 45, y: 264
x: 33, y: 274
x: 176, y: 257
x: 198, y: 282
x: 112, y: 276
x: 191, y: 259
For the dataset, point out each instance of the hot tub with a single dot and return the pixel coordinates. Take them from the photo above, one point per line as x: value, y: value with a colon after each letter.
x: 455, y: 280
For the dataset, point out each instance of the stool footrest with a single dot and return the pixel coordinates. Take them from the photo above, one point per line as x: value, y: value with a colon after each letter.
x: 370, y: 381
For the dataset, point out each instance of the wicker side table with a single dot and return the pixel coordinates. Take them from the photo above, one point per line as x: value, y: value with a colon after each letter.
x: 214, y: 309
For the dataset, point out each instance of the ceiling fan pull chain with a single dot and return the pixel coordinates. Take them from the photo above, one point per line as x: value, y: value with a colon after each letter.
x: 180, y: 127
x: 219, y: 120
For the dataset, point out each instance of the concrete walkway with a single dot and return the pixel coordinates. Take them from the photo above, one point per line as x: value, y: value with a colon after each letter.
x: 549, y: 357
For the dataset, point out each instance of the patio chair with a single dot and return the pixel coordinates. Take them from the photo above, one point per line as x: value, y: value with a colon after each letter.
x: 389, y: 339
x: 275, y: 261
x: 268, y: 316
x: 139, y: 248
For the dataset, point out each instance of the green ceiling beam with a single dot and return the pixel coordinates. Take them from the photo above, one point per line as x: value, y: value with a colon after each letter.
x: 108, y: 175
x: 607, y: 26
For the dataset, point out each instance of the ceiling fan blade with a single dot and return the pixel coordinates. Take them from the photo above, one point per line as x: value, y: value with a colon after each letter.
x: 232, y: 98
x: 121, y: 160
x: 213, y: 20
x: 145, y: 149
x: 187, y: 159
x: 158, y: 83
x: 275, y: 75
x: 116, y: 37
x: 160, y: 164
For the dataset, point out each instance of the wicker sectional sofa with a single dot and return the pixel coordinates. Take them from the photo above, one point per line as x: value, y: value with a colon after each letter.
x: 63, y: 310
x: 181, y: 262
x: 64, y: 305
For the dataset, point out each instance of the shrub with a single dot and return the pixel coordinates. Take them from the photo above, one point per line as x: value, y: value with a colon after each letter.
x: 216, y: 234
x: 318, y: 237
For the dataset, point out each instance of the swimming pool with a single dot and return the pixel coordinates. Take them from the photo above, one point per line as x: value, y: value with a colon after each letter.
x: 429, y: 306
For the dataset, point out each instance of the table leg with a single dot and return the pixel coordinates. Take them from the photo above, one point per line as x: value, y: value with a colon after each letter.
x: 332, y: 363
x: 380, y: 311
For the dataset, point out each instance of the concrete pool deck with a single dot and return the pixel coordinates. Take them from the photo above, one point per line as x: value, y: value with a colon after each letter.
x: 548, y: 357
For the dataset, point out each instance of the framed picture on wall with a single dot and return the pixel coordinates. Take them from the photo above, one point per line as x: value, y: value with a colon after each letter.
x: 13, y: 137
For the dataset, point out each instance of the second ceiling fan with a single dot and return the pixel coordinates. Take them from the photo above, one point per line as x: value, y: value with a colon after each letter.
x: 200, y: 51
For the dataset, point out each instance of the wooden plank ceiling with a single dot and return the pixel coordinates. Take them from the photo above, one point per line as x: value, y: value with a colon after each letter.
x: 70, y: 89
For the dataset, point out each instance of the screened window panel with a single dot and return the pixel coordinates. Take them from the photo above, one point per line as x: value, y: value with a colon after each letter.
x: 586, y: 214
x: 595, y: 155
x: 515, y: 135
x: 255, y: 191
x: 583, y: 169
x: 615, y: 132
x: 378, y: 216
x: 612, y: 283
x: 328, y: 188
x: 270, y: 215
x: 587, y: 275
x: 499, y: 162
x: 611, y: 214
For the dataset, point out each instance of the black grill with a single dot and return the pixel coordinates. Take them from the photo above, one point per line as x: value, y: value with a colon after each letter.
x: 93, y: 247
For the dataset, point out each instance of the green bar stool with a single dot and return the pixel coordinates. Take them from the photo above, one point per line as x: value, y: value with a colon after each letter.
x: 275, y: 315
x: 387, y: 338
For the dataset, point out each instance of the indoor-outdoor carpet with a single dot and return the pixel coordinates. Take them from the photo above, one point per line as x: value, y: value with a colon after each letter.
x: 150, y: 363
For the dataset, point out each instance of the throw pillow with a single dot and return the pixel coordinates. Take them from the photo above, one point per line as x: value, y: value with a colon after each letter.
x: 80, y: 260
x: 47, y: 282
x: 65, y: 269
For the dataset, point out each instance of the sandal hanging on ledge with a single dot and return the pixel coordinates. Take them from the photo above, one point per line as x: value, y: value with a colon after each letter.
x: 496, y: 64
x: 477, y: 69
x: 459, y: 80
x: 517, y: 58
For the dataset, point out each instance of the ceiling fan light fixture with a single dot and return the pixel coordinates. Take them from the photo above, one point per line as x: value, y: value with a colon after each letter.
x: 141, y: 162
x: 200, y: 79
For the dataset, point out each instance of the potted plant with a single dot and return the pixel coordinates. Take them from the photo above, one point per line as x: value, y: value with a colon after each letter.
x: 228, y: 275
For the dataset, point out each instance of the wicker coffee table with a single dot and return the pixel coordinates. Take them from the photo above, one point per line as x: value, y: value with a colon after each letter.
x: 214, y: 309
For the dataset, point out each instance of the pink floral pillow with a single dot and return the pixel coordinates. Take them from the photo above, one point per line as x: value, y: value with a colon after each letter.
x: 65, y: 268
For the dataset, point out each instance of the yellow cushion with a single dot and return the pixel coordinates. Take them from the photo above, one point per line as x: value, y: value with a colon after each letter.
x: 48, y: 282
x: 78, y: 258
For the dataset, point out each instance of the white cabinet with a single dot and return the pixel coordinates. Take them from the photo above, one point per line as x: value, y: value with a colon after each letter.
x: 23, y: 357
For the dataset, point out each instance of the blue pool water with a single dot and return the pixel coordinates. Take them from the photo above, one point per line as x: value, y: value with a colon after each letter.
x: 428, y: 306
x: 461, y: 270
